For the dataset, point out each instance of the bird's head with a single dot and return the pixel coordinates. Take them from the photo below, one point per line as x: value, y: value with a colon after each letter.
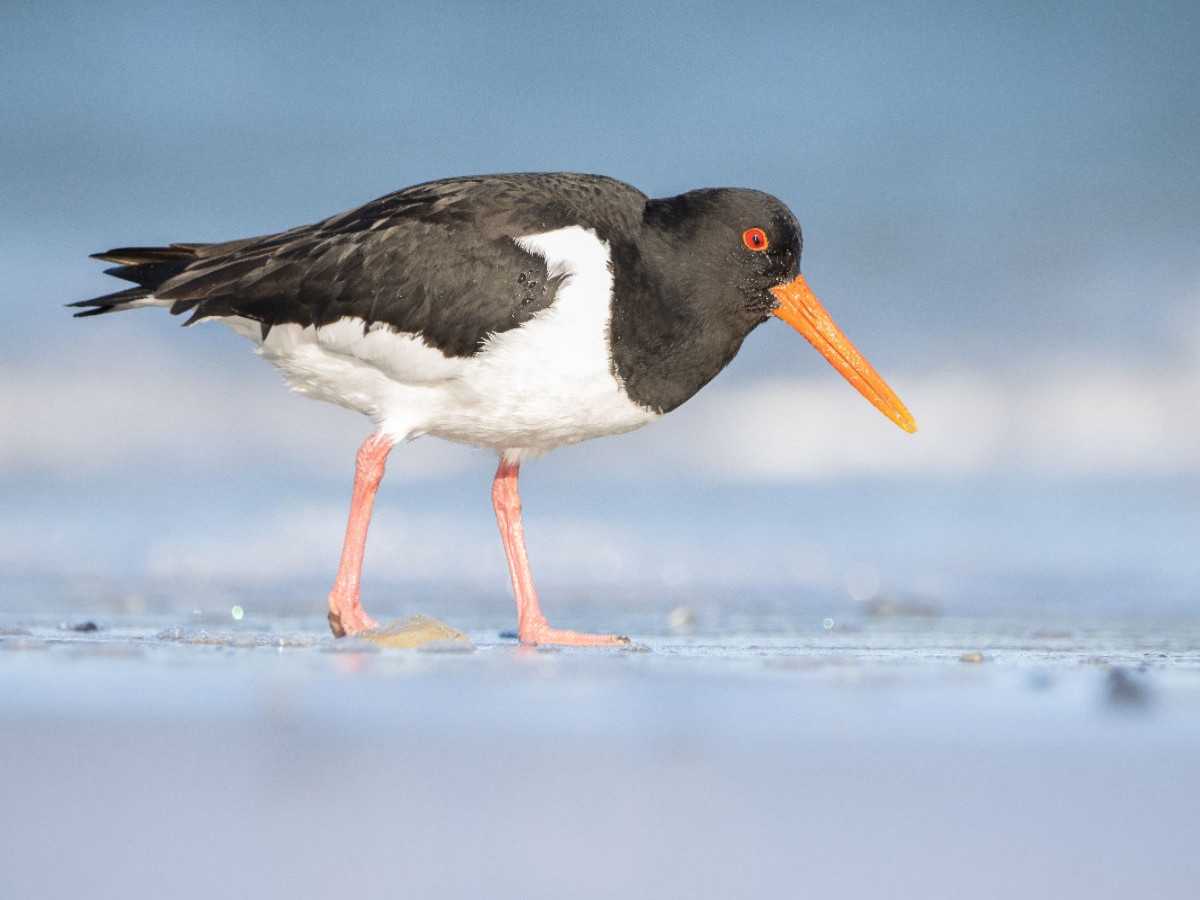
x: 750, y: 243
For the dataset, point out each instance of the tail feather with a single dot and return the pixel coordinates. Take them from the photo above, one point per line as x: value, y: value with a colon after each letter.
x: 127, y: 299
x: 136, y: 256
x: 147, y: 267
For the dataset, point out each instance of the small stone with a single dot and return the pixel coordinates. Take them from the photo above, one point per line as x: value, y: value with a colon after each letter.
x: 79, y: 626
x: 415, y: 631
x: 973, y: 657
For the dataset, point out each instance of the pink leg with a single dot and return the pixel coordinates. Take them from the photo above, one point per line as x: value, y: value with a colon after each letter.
x: 346, y: 615
x: 532, y: 627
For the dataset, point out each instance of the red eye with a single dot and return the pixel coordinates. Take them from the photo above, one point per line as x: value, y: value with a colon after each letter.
x: 755, y: 238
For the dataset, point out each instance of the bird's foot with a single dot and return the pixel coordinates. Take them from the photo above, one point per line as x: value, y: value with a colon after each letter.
x: 346, y: 618
x: 543, y: 634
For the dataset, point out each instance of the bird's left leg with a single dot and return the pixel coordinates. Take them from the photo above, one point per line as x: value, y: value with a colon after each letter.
x: 346, y: 615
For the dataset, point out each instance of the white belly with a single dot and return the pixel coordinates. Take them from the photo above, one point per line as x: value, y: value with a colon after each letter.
x: 543, y: 384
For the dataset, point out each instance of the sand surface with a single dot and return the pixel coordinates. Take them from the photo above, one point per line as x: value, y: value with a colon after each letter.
x: 890, y: 752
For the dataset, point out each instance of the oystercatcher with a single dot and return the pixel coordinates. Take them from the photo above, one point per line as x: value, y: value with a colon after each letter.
x: 514, y: 312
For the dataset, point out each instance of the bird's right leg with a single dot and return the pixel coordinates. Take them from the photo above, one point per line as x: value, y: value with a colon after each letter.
x: 532, y: 627
x: 346, y: 615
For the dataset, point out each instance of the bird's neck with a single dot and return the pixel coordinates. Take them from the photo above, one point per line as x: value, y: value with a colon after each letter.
x: 668, y: 340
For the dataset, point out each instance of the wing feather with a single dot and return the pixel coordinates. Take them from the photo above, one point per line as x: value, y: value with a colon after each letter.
x: 440, y: 260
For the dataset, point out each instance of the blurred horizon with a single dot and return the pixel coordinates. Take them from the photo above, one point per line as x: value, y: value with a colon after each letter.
x: 1001, y: 208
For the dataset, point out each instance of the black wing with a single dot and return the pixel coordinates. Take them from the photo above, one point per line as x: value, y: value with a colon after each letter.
x: 438, y: 259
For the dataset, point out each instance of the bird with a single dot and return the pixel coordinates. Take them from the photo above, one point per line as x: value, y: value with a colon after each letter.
x: 513, y: 312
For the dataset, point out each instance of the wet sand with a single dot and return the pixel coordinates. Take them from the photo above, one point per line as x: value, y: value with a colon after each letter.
x: 915, y: 755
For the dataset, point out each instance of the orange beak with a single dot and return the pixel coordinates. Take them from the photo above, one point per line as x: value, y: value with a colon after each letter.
x: 800, y: 309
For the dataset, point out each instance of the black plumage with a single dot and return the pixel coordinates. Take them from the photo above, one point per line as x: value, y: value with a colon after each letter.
x: 400, y: 260
x: 441, y: 260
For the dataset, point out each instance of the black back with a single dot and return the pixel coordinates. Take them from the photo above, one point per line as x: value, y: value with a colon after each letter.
x: 436, y: 259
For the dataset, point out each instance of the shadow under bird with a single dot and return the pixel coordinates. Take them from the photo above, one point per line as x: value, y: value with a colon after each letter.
x: 514, y: 312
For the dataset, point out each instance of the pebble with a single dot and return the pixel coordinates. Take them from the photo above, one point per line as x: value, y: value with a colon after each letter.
x: 415, y: 631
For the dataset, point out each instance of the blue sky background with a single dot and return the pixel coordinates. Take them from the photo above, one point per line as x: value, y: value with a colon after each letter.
x: 1001, y: 207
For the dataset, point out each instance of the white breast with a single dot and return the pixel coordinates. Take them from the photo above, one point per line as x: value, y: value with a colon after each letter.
x: 543, y: 384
